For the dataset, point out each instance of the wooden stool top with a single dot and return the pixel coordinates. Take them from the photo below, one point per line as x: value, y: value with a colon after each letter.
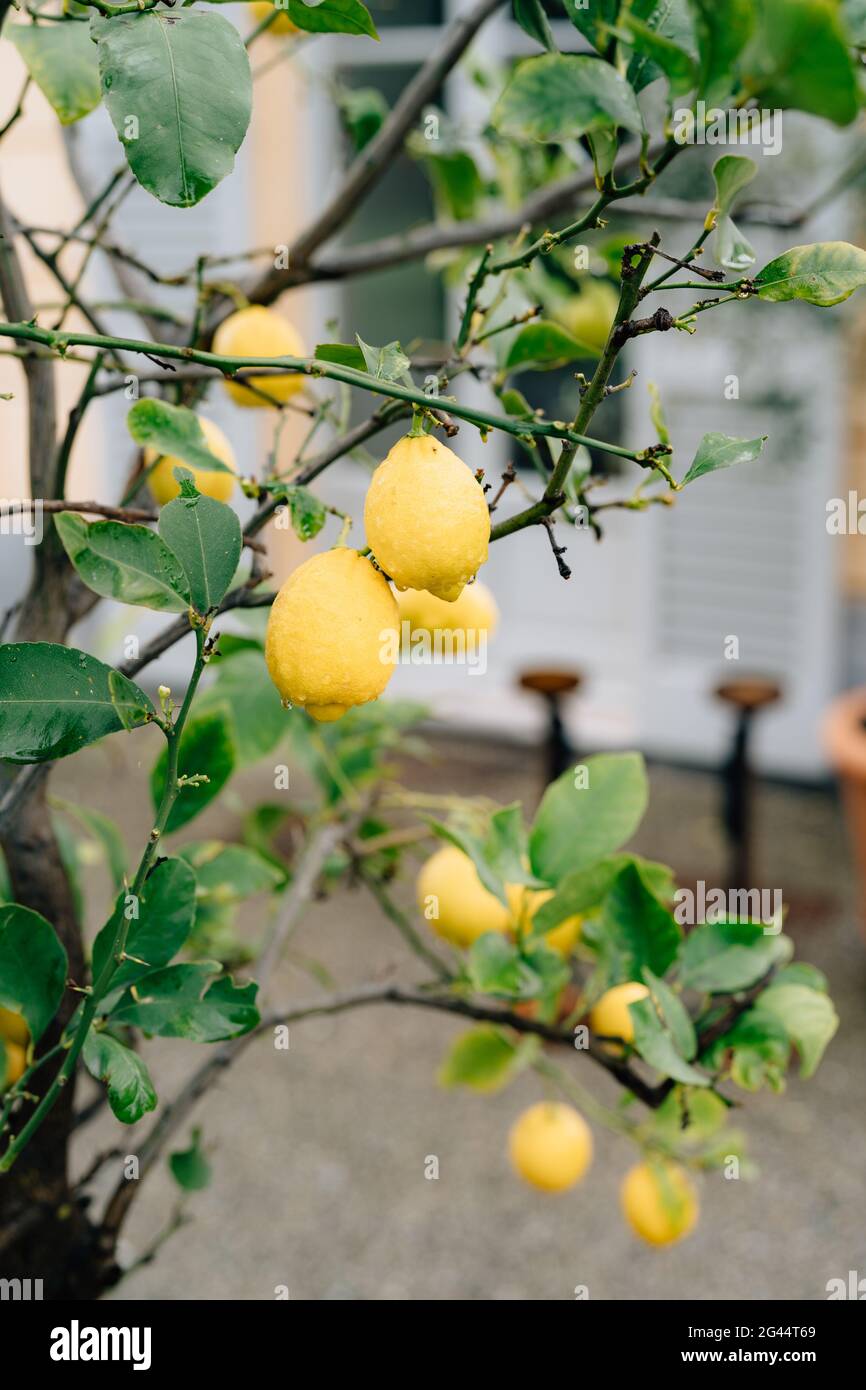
x: 550, y: 682
x: 749, y: 692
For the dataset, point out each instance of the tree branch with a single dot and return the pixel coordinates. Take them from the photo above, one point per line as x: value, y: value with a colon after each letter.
x: 378, y: 154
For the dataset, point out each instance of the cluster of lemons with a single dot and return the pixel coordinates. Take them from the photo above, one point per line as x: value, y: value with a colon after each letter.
x: 15, y: 1037
x: 551, y: 1143
x: 332, y: 637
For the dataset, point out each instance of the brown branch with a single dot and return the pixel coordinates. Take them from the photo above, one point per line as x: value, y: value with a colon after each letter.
x: 378, y: 155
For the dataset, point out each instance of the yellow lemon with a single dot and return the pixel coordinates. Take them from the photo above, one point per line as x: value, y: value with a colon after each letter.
x: 610, y: 1016
x: 525, y: 902
x: 13, y: 1028
x: 426, y: 518
x: 454, y: 900
x: 332, y: 634
x: 283, y: 25
x: 164, y: 485
x: 16, y: 1063
x: 588, y: 316
x: 259, y: 332
x: 474, y: 611
x: 551, y: 1146
x: 659, y: 1202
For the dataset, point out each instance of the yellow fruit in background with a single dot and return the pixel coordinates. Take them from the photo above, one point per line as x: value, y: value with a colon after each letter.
x: 449, y: 887
x: 332, y: 634
x: 164, y: 485
x: 659, y: 1202
x: 283, y: 25
x: 551, y: 1146
x: 610, y: 1017
x: 259, y: 332
x: 588, y: 316
x: 16, y: 1063
x: 474, y: 611
x: 13, y: 1028
x: 525, y: 902
x: 426, y: 518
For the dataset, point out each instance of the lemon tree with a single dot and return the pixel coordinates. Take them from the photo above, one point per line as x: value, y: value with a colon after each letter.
x: 550, y: 938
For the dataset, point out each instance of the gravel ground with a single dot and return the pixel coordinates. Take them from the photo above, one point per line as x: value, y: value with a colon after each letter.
x: 319, y: 1152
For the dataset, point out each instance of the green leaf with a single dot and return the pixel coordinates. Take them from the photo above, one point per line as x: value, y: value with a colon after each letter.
x: 731, y: 173
x: 657, y: 1047
x: 166, y: 912
x: 495, y: 966
x: 530, y: 15
x: 721, y: 957
x: 799, y: 972
x: 55, y: 700
x: 62, y: 62
x: 307, y: 512
x: 543, y: 345
x: 363, y: 111
x: 807, y: 1016
x: 636, y: 931
x: 485, y: 1059
x: 678, y: 66
x: 189, y: 1167
x: 823, y: 274
x: 671, y: 22
x: 717, y: 451
x: 594, y: 20
x: 206, y: 748
x: 344, y: 354
x: 178, y: 89
x: 131, y: 711
x: 799, y: 58
x: 332, y: 17
x: 131, y: 1092
x: 722, y: 33
x: 33, y: 967
x: 103, y: 829
x: 205, y: 535
x: 760, y: 1049
x: 246, y: 692
x: 174, y: 430
x: 457, y: 184
x: 227, y: 874
x: 173, y: 1003
x: 127, y: 563
x: 585, y: 889
x: 561, y: 96
x: 576, y: 825
x: 674, y: 1015
x: 388, y: 363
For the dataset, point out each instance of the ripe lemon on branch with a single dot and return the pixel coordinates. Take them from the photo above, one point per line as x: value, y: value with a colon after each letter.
x: 460, y: 909
x: 13, y: 1028
x: 164, y: 485
x: 426, y: 518
x: 610, y: 1017
x: 659, y: 1202
x: 259, y: 332
x: 281, y: 25
x: 332, y: 634
x: 15, y: 1036
x: 588, y: 316
x: 474, y: 611
x: 550, y: 1146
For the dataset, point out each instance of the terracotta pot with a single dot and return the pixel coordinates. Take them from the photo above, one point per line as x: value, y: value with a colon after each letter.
x: 844, y: 736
